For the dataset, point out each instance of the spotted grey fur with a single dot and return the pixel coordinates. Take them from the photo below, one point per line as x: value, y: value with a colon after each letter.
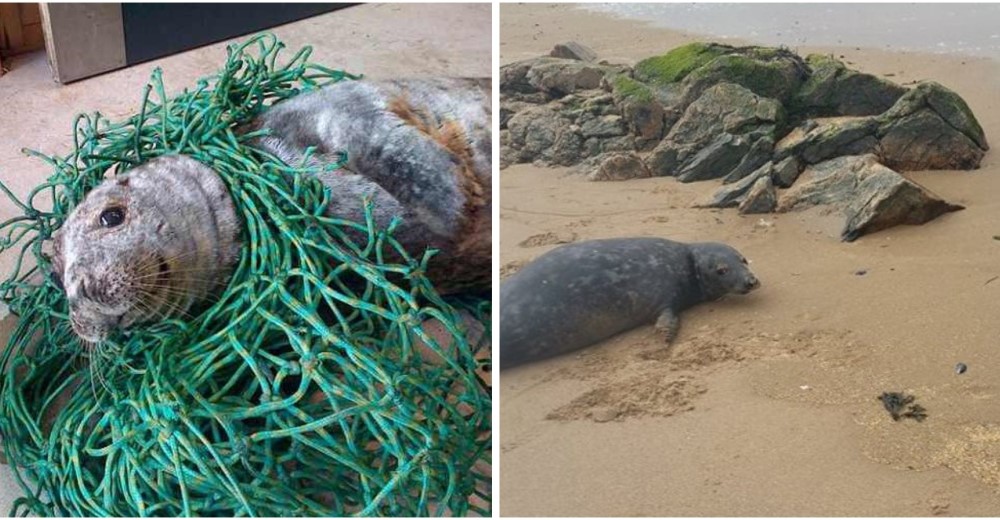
x: 579, y: 294
x: 419, y: 148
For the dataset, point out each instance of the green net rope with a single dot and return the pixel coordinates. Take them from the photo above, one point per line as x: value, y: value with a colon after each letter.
x: 312, y: 386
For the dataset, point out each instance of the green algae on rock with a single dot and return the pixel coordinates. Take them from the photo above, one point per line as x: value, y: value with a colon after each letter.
x: 678, y: 63
x: 707, y: 110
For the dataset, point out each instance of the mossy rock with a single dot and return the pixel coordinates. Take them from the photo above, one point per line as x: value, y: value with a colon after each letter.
x: 945, y: 103
x: 642, y: 110
x: 777, y: 78
x: 626, y: 88
x: 678, y: 63
x: 832, y: 89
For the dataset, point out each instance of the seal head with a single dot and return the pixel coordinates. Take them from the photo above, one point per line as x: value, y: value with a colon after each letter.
x: 146, y: 245
x: 721, y: 270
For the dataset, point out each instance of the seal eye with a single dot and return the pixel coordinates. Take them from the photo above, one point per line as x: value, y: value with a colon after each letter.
x: 112, y: 217
x: 721, y: 270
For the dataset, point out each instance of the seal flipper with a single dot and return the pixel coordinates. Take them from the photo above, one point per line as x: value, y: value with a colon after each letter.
x: 668, y: 323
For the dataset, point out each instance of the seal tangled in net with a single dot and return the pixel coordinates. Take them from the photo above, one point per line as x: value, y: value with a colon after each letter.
x: 311, y: 385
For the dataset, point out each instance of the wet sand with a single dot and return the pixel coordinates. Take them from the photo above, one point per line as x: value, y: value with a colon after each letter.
x: 765, y: 404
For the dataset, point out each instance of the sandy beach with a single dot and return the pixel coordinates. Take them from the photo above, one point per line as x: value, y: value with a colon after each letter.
x: 765, y: 404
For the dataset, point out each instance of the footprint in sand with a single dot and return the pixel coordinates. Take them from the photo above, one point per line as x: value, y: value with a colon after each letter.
x: 512, y: 267
x: 548, y: 239
x: 643, y: 395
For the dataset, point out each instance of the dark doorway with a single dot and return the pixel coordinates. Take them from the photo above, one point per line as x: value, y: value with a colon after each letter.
x: 156, y: 30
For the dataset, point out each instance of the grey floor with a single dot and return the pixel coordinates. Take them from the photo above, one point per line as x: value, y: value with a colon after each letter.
x: 376, y: 40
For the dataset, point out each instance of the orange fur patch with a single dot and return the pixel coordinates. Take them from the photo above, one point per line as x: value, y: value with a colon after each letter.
x: 451, y: 137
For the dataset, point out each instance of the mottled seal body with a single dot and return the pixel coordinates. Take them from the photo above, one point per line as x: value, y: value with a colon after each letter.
x: 579, y: 294
x: 155, y: 240
x: 421, y: 149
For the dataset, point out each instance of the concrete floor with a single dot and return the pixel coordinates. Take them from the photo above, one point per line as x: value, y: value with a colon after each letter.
x: 376, y: 40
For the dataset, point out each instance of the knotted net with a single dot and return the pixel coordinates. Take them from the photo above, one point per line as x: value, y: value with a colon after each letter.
x: 312, y: 386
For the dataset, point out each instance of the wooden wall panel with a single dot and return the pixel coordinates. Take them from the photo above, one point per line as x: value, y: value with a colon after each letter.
x: 20, y: 28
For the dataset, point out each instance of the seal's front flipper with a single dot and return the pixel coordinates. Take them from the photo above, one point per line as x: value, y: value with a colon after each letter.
x: 668, y: 324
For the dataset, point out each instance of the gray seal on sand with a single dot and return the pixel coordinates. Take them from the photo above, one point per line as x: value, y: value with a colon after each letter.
x: 579, y: 294
x: 155, y: 240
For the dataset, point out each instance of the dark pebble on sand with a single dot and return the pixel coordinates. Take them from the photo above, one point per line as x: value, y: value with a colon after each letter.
x: 861, y: 272
x: 961, y: 368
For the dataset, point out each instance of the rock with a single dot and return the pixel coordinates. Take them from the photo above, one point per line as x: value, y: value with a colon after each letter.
x: 834, y: 90
x: 642, y: 112
x: 730, y: 195
x: 871, y: 196
x: 943, y: 102
x: 829, y: 182
x: 542, y: 134
x: 720, y: 126
x: 818, y: 140
x: 705, y: 111
x: 514, y: 77
x: 508, y: 108
x: 762, y: 198
x: 616, y: 166
x: 758, y: 155
x: 887, y: 199
x: 604, y: 126
x: 664, y: 159
x: 767, y: 72
x: 573, y: 51
x: 553, y: 77
x: 508, y: 155
x: 785, y: 172
x: 559, y: 77
x: 596, y: 146
x: 598, y: 102
x: 678, y: 63
x: 716, y: 159
x: 931, y: 128
x: 726, y: 107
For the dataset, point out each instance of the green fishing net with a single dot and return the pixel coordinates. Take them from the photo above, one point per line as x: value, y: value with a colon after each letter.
x: 314, y: 385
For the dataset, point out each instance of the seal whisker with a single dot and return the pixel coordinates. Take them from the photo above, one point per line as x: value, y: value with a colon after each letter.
x: 171, y: 307
x: 156, y: 261
x: 148, y: 307
x: 157, y: 276
x: 153, y: 290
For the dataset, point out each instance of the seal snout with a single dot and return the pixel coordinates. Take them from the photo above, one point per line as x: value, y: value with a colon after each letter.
x: 750, y: 284
x: 93, y: 327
